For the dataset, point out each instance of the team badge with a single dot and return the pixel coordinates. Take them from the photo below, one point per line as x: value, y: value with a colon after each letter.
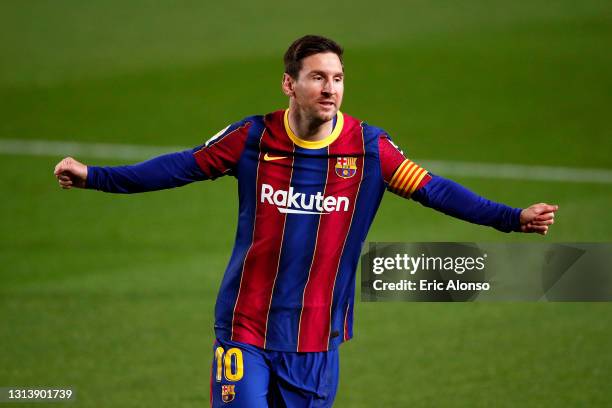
x: 346, y: 167
x: 228, y: 393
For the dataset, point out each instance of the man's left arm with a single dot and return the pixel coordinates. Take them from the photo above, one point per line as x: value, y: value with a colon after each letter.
x: 455, y: 200
x: 407, y: 179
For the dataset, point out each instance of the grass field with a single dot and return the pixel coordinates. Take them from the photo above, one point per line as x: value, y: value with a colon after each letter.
x: 114, y: 295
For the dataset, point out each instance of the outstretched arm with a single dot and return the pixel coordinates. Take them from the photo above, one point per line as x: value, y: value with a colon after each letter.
x: 167, y: 171
x: 407, y: 179
x: 217, y: 157
x: 453, y: 199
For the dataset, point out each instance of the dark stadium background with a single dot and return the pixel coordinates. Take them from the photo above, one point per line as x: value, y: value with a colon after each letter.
x: 114, y: 295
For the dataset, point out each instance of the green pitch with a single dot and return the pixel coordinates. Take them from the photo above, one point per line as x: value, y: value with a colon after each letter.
x: 114, y: 295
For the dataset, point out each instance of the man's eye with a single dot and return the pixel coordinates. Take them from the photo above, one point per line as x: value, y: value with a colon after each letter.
x: 338, y: 79
x: 317, y: 78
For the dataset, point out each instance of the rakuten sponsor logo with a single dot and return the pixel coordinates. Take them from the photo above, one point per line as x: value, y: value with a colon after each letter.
x: 291, y: 202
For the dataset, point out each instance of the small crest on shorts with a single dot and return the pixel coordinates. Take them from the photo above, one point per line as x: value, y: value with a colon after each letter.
x: 228, y: 393
x: 346, y: 167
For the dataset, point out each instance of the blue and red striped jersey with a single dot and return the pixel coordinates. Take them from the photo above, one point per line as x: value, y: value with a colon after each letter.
x: 304, y: 212
x: 305, y: 209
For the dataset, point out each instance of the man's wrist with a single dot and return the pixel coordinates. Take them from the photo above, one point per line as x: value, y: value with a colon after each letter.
x: 90, y: 178
x: 517, y: 219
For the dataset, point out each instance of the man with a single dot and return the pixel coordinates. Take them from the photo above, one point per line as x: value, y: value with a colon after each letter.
x: 310, y: 180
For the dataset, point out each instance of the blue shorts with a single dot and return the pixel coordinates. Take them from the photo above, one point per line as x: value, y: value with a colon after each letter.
x: 245, y: 376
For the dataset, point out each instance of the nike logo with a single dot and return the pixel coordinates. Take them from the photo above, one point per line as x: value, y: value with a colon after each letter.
x: 267, y: 157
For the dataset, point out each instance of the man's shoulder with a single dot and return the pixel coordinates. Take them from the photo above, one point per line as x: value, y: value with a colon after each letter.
x: 375, y: 131
x: 369, y: 131
x: 247, y: 124
x: 254, y: 119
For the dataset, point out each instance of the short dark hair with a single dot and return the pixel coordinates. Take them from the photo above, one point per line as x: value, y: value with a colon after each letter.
x: 306, y: 46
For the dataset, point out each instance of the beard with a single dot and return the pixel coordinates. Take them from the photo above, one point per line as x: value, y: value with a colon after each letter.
x: 320, y: 115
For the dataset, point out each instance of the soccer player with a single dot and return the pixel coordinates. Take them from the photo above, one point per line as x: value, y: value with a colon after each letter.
x: 310, y: 180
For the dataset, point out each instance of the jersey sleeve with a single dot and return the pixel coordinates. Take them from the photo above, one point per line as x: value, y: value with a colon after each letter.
x: 407, y: 179
x: 401, y: 175
x: 453, y: 199
x: 218, y: 156
x: 159, y: 173
x: 221, y: 153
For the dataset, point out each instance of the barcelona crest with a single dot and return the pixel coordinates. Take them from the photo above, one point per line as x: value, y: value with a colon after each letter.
x: 228, y: 393
x: 346, y: 167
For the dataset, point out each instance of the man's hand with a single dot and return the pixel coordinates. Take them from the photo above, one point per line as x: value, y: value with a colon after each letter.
x: 538, y: 217
x: 71, y: 173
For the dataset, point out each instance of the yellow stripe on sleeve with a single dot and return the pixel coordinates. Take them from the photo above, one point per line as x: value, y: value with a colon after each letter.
x: 407, y: 178
x: 400, y: 170
x: 414, y: 169
x: 417, y: 182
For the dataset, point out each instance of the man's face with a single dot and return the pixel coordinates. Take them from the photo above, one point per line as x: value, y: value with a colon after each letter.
x: 318, y: 90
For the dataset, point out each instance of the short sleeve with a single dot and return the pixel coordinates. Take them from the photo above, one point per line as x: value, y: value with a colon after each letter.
x: 401, y: 175
x: 221, y: 153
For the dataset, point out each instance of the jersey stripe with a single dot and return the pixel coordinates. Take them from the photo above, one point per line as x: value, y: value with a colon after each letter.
x: 314, y: 327
x: 279, y: 257
x: 370, y: 194
x: 309, y: 175
x: 331, y: 303
x: 300, y: 333
x: 246, y: 173
x: 261, y: 263
x: 255, y: 195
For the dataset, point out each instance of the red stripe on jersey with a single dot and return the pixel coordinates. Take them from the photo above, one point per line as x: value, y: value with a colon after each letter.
x: 261, y: 262
x: 222, y: 155
x: 390, y: 157
x: 314, y: 329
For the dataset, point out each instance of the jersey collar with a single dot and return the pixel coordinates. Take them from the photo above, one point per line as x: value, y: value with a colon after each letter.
x: 307, y: 144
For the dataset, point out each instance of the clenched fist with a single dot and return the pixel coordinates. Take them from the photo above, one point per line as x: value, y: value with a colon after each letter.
x: 538, y: 218
x: 71, y: 173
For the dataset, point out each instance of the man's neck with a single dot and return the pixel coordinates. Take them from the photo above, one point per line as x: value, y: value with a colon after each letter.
x: 308, y: 129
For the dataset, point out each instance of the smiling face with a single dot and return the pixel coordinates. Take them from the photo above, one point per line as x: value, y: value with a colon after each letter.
x: 317, y: 91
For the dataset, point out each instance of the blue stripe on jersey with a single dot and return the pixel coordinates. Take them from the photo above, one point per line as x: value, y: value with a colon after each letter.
x: 247, y: 186
x: 309, y: 177
x: 368, y: 200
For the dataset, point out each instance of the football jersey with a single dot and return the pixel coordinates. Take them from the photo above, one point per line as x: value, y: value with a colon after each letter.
x: 305, y: 208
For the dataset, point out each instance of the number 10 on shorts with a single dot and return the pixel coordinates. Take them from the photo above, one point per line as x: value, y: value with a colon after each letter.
x: 229, y: 364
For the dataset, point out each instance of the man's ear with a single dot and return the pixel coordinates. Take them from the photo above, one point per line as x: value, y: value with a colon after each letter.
x: 288, y: 85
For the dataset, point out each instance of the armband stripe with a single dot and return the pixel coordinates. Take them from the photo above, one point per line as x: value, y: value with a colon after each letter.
x: 402, y: 176
x: 417, y: 181
x: 405, y: 191
x: 416, y: 174
x: 402, y: 167
x: 406, y: 179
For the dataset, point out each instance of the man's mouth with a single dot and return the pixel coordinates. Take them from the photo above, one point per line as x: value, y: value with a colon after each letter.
x: 327, y: 103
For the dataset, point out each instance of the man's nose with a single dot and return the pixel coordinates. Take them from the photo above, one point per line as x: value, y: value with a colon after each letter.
x: 329, y: 88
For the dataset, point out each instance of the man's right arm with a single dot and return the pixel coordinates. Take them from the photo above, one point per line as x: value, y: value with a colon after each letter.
x: 217, y: 157
x: 167, y: 171
x: 163, y: 172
